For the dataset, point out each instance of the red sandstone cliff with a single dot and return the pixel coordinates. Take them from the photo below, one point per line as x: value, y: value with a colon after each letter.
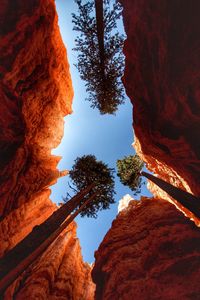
x: 36, y: 93
x: 58, y: 274
x: 152, y: 251
x: 162, y: 80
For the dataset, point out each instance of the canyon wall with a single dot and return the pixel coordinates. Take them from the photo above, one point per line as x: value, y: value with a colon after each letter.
x: 36, y: 93
x: 162, y: 80
x: 58, y: 274
x: 152, y: 250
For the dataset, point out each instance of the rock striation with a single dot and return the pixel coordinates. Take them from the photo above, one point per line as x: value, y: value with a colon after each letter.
x: 150, y: 252
x: 36, y: 93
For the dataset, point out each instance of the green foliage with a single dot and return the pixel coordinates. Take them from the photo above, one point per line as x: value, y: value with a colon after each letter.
x: 129, y: 169
x: 104, y: 86
x: 87, y: 170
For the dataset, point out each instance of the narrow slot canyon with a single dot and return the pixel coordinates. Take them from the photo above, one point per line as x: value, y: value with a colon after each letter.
x: 88, y: 132
x: 143, y: 248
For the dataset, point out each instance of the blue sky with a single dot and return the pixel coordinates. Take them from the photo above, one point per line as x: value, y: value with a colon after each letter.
x: 87, y: 132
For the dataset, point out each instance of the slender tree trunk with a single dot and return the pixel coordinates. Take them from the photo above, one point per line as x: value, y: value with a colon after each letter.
x: 23, y: 254
x: 186, y: 199
x: 100, y: 33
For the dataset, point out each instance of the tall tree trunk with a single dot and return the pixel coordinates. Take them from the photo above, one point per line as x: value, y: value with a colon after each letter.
x: 23, y: 254
x: 186, y: 199
x: 100, y: 33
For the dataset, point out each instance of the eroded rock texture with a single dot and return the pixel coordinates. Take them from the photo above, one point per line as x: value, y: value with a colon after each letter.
x: 58, y: 274
x: 151, y: 252
x: 35, y: 93
x: 162, y: 80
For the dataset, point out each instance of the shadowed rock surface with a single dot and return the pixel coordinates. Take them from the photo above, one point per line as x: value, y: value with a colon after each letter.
x: 162, y: 80
x: 150, y: 252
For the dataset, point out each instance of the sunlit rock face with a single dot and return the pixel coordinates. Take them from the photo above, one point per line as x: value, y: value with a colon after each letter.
x: 123, y: 203
x: 151, y: 252
x: 162, y: 80
x: 16, y: 225
x: 36, y: 93
x: 58, y: 274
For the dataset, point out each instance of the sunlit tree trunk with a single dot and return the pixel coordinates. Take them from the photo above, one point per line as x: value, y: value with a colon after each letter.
x: 33, y: 245
x: 186, y: 199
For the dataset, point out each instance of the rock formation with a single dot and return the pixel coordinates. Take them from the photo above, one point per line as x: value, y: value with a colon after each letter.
x: 152, y: 251
x: 161, y: 79
x: 124, y: 202
x: 36, y: 93
x: 58, y: 274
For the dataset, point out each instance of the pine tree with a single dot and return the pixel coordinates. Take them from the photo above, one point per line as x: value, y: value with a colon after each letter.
x: 130, y: 172
x: 129, y: 169
x: 17, y: 259
x: 87, y: 170
x: 100, y: 59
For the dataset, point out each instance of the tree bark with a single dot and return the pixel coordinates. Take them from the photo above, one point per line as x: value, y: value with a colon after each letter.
x: 189, y: 201
x: 100, y: 32
x: 23, y: 254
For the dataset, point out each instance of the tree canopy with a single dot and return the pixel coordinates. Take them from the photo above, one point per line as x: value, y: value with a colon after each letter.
x: 102, y: 72
x: 86, y: 170
x: 129, y: 169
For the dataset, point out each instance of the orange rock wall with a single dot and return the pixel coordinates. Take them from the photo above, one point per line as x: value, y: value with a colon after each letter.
x: 16, y: 225
x: 35, y: 93
x: 162, y: 80
x: 151, y: 252
x: 58, y: 274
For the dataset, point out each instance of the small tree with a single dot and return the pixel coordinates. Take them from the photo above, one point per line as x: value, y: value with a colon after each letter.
x: 129, y: 169
x: 87, y: 170
x: 100, y: 59
x: 130, y: 172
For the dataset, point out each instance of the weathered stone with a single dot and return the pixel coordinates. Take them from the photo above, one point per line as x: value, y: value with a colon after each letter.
x: 161, y: 79
x: 150, y: 252
x: 36, y: 93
